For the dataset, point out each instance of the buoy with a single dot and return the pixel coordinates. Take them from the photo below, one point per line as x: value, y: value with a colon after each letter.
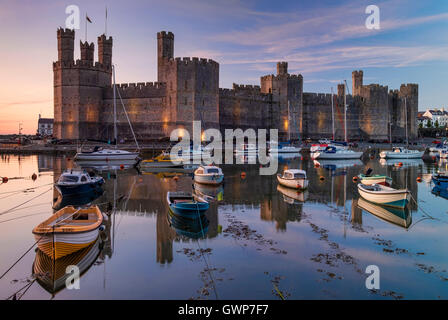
x: 243, y: 175
x: 34, y: 176
x: 355, y: 179
x: 321, y: 178
x: 419, y: 179
x: 175, y: 178
x: 301, y: 158
x: 4, y: 179
x: 121, y: 166
x: 400, y: 164
x: 372, y: 157
x: 316, y: 165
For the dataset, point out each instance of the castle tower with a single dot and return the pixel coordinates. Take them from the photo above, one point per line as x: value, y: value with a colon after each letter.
x: 165, y: 52
x: 341, y: 89
x: 87, y: 51
x: 282, y: 68
x: 105, y: 51
x: 66, y: 44
x: 357, y: 82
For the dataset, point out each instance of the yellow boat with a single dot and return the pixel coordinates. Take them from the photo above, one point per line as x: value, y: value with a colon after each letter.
x: 68, y: 231
x: 163, y: 160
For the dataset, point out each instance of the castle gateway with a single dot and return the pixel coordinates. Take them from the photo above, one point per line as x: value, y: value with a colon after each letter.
x: 188, y: 89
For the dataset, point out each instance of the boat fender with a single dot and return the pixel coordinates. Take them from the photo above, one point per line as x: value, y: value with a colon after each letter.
x: 419, y: 179
x: 321, y: 178
x: 243, y: 175
x: 5, y: 179
x: 175, y: 178
x: 400, y: 164
x: 34, y: 176
x: 121, y: 166
x: 355, y: 179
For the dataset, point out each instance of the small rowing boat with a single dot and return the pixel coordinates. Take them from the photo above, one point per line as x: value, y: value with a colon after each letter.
x: 293, y: 178
x: 396, y: 216
x: 383, y: 195
x: 369, y: 179
x: 209, y: 175
x: 68, y: 230
x: 186, y: 204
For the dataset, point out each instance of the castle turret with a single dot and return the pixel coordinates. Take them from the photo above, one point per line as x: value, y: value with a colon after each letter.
x: 357, y: 82
x: 165, y: 52
x: 66, y: 44
x: 105, y: 50
x: 282, y: 68
x: 87, y: 51
x: 341, y: 89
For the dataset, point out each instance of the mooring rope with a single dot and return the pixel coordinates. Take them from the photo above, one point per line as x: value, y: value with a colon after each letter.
x: 21, y: 204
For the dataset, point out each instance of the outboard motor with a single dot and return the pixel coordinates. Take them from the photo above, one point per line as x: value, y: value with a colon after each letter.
x: 369, y: 172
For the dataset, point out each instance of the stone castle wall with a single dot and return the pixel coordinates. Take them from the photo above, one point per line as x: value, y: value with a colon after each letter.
x: 188, y: 90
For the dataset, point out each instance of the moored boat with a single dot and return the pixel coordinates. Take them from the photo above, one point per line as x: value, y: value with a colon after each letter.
x: 209, y: 175
x: 369, y: 179
x: 72, y: 182
x: 384, y: 195
x: 163, y: 160
x: 401, y: 153
x: 293, y: 178
x: 334, y: 153
x: 107, y: 154
x: 68, y: 230
x: 283, y: 148
x: 292, y: 196
x: 185, y: 204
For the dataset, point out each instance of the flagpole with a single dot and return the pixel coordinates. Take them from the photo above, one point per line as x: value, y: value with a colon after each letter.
x: 86, y: 28
x: 105, y: 24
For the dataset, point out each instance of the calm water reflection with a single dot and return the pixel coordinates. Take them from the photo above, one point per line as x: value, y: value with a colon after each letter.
x: 313, y: 245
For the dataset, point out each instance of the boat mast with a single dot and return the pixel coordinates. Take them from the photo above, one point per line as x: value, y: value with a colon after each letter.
x: 289, y: 125
x: 345, y: 111
x: 115, y: 108
x: 406, y: 124
x: 332, y: 112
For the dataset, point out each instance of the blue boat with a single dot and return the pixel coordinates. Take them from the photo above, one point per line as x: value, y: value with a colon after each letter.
x: 440, y: 179
x: 72, y: 182
x: 77, y: 200
x: 440, y: 192
x: 186, y: 205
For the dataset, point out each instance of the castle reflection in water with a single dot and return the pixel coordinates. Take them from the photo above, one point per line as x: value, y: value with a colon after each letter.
x: 143, y: 195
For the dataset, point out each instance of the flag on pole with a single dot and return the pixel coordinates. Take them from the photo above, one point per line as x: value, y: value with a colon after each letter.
x: 88, y: 19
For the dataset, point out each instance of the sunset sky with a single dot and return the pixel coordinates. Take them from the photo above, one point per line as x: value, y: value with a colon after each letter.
x: 323, y: 40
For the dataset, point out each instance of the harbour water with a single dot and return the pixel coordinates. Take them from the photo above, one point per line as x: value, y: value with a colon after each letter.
x: 258, y: 241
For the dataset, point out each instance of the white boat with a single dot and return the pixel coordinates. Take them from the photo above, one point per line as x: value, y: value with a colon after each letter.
x: 368, y: 178
x: 396, y: 216
x: 293, y: 178
x: 247, y: 149
x: 106, y: 155
x: 334, y: 153
x: 209, y: 175
x: 383, y: 195
x: 337, y: 163
x: 401, y: 153
x: 111, y: 154
x: 284, y: 148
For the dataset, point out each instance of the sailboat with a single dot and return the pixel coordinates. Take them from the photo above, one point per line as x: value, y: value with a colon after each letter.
x: 333, y: 151
x: 108, y: 154
x: 402, y: 153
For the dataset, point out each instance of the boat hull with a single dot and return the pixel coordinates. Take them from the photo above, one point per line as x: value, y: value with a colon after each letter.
x: 337, y: 155
x: 293, y: 183
x: 189, y: 210
x: 397, y: 198
x: 397, y: 216
x: 67, y: 190
x: 107, y: 157
x: 401, y: 155
x: 209, y: 179
x: 285, y: 150
x: 383, y: 180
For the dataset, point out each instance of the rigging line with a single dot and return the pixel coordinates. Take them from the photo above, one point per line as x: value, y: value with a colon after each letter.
x: 27, y: 189
x: 18, y: 218
x: 19, y: 205
x: 27, y: 285
x: 130, y: 125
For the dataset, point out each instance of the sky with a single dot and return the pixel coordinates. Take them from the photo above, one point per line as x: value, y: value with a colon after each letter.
x: 322, y: 40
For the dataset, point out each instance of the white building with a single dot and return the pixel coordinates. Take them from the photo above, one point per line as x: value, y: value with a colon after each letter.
x: 437, y: 115
x: 45, y: 126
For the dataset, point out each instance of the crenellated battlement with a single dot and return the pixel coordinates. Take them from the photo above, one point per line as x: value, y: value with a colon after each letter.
x: 81, y: 64
x: 193, y: 61
x: 137, y: 90
x: 247, y: 87
x: 61, y: 32
x: 271, y: 77
x: 164, y: 34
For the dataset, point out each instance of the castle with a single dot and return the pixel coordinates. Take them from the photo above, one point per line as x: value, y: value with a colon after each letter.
x: 187, y: 89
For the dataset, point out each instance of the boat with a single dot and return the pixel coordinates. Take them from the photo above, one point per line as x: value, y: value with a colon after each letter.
x: 396, y: 216
x: 369, y: 179
x: 441, y: 179
x: 209, y: 175
x: 163, y: 160
x: 334, y: 153
x: 72, y: 182
x: 337, y: 164
x: 402, y: 163
x: 292, y: 196
x: 401, y: 153
x: 52, y: 274
x: 440, y: 191
x: 194, y: 228
x: 185, y: 204
x: 106, y: 154
x: 283, y: 148
x: 110, y: 165
x: 384, y: 195
x: 68, y: 230
x: 247, y: 149
x: 293, y: 178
